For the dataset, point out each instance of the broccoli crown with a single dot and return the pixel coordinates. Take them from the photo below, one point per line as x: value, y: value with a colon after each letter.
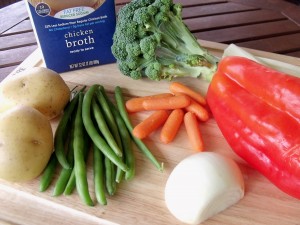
x: 151, y: 40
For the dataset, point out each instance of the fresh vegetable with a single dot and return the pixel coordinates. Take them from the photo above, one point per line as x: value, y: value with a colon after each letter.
x: 193, y: 131
x: 91, y: 129
x: 99, y: 176
x: 79, y: 161
x: 66, y: 173
x: 82, y: 117
x: 165, y: 103
x: 112, y: 125
x: 182, y: 100
x: 234, y: 50
x: 198, y: 110
x: 38, y: 87
x: 61, y: 132
x: 180, y: 88
x: 104, y: 102
x: 136, y: 104
x: 171, y: 126
x: 104, y: 129
x: 110, y: 174
x: 48, y: 173
x: 256, y: 109
x: 26, y: 143
x: 150, y: 124
x: 151, y: 40
x: 139, y: 143
x: 202, y: 185
x: 71, y: 185
x: 126, y: 144
x: 284, y: 95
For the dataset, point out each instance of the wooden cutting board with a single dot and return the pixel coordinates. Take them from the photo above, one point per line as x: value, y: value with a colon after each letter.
x: 141, y: 201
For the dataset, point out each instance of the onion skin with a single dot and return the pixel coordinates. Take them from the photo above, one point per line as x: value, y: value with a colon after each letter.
x: 202, y: 185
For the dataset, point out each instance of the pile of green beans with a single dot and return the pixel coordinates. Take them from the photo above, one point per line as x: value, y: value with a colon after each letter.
x: 92, y: 125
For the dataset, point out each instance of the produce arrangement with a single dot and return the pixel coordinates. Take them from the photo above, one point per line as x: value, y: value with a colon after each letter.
x: 255, y: 107
x: 257, y: 110
x: 25, y: 131
x: 92, y: 122
x: 170, y: 110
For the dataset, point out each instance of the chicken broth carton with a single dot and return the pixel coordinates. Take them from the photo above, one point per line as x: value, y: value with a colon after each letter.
x: 74, y: 34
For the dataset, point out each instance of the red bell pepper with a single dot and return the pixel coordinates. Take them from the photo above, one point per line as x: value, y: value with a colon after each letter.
x: 258, y: 111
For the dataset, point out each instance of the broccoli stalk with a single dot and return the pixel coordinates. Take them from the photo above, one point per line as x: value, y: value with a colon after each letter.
x: 151, y: 40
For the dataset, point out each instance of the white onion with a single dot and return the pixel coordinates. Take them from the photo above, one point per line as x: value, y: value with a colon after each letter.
x: 203, y: 185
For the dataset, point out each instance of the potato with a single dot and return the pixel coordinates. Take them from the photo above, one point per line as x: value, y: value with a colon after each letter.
x: 26, y: 143
x: 38, y: 87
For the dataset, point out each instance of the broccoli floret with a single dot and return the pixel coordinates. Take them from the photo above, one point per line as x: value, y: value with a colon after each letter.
x: 151, y: 40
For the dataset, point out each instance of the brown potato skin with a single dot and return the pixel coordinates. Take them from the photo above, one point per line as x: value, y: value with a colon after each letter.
x: 38, y: 87
x: 26, y: 143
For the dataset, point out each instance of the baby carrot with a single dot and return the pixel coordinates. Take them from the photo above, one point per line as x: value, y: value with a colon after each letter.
x: 151, y: 123
x: 136, y: 104
x: 171, y: 126
x: 173, y: 102
x: 200, y: 112
x: 193, y: 131
x: 177, y: 88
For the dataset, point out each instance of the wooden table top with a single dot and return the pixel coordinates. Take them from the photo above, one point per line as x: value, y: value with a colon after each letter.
x: 267, y: 25
x: 252, y: 23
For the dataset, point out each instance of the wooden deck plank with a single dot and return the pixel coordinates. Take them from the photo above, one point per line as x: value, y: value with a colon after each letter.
x: 249, y: 32
x: 290, y: 10
x: 18, y: 40
x: 184, y: 3
x: 15, y: 56
x: 294, y: 54
x: 215, y: 9
x: 197, y: 2
x: 24, y: 26
x: 3, y: 73
x: 12, y: 15
x: 282, y: 44
x: 232, y: 20
x: 191, y: 3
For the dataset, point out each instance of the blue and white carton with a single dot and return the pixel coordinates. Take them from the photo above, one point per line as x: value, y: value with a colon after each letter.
x: 74, y: 34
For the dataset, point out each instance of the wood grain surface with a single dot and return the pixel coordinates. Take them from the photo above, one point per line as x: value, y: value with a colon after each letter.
x: 141, y: 201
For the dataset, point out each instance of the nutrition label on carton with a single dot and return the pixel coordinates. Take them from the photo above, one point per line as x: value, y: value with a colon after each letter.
x: 74, y: 36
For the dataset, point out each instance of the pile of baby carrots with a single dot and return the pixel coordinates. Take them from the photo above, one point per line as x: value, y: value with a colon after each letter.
x: 181, y: 105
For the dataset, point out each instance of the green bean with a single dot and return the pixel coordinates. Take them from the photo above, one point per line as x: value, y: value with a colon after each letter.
x: 71, y: 185
x: 61, y: 133
x: 110, y: 176
x: 99, y: 176
x: 48, y: 173
x: 79, y: 161
x: 100, y: 120
x: 65, y: 174
x: 141, y: 145
x: 107, y: 107
x: 62, y: 181
x: 127, y: 146
x: 109, y: 117
x: 126, y: 142
x: 93, y: 133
